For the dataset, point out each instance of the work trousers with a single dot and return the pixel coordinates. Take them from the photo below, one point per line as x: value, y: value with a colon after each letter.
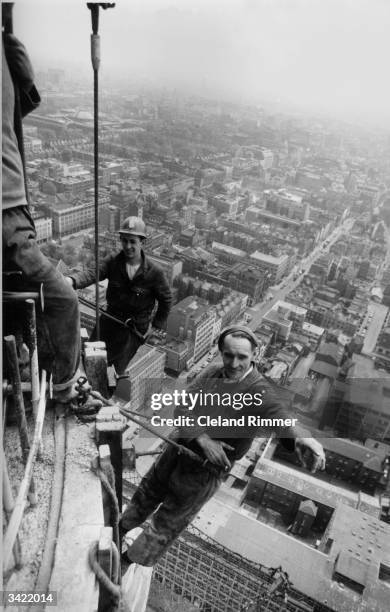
x: 173, y: 492
x: 121, y: 343
x: 59, y: 323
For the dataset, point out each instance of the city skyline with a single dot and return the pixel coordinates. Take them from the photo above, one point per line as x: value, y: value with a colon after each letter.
x: 318, y: 57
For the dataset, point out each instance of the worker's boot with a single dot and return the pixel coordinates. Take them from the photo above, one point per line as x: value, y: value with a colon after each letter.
x: 127, y: 541
x: 78, y: 398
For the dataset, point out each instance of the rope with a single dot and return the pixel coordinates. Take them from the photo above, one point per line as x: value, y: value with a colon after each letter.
x: 107, y: 478
x: 106, y: 582
x: 128, y: 324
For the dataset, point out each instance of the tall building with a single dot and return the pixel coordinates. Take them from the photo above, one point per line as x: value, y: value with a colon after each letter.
x: 179, y: 354
x: 193, y: 319
x: 111, y: 218
x: 145, y: 376
x: 44, y: 229
x: 73, y: 218
x: 382, y: 347
x: 68, y: 219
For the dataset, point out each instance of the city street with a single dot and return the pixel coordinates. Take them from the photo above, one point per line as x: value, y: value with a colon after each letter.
x: 261, y: 308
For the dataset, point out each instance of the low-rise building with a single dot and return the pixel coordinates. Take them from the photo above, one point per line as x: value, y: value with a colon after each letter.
x: 277, y: 267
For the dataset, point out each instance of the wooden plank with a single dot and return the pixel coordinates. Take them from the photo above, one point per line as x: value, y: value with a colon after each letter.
x: 80, y: 525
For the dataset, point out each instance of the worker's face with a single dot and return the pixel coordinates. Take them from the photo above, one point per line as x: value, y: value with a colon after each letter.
x: 131, y: 246
x: 237, y: 356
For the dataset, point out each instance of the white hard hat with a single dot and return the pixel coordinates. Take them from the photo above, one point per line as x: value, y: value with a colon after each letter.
x: 133, y: 225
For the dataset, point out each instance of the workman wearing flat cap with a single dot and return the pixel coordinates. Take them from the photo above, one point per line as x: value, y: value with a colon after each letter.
x: 176, y: 487
x: 135, y: 286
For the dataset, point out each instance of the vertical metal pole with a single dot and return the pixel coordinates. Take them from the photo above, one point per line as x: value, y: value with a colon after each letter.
x: 95, y: 58
x: 13, y: 365
x: 96, y: 171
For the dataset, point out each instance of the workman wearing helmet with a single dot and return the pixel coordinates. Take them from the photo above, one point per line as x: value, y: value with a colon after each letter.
x: 176, y: 487
x: 135, y: 286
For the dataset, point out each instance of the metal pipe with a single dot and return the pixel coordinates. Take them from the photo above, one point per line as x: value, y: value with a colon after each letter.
x: 95, y: 59
x: 20, y: 296
x: 10, y: 345
x: 128, y: 324
x: 26, y: 387
x: 182, y: 450
x: 96, y: 195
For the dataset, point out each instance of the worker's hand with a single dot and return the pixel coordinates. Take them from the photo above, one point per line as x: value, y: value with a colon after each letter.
x: 310, y: 446
x: 213, y: 450
x: 156, y: 332
x: 18, y: 61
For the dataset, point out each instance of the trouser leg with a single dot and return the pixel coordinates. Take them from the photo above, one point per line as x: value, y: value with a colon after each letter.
x: 190, y: 487
x: 61, y: 312
x: 121, y: 344
x: 151, y: 490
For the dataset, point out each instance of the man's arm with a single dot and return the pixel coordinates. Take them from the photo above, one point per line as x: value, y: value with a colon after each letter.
x: 295, y: 437
x: 164, y: 300
x: 88, y: 277
x: 22, y: 73
x: 311, y: 446
x: 213, y: 450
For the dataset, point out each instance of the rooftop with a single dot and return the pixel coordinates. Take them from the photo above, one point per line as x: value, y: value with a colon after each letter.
x: 298, y: 310
x: 263, y: 544
x: 364, y: 538
x: 306, y: 485
x: 276, y: 261
x: 369, y: 457
x: 312, y: 329
x: 228, y: 249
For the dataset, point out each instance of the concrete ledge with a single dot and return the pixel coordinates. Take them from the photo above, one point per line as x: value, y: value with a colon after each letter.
x: 80, y: 525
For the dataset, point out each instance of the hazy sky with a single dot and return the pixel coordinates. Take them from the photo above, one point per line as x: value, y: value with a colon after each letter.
x: 325, y: 55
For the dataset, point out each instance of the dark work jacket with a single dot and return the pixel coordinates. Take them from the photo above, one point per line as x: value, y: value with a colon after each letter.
x: 273, y: 406
x: 134, y: 298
